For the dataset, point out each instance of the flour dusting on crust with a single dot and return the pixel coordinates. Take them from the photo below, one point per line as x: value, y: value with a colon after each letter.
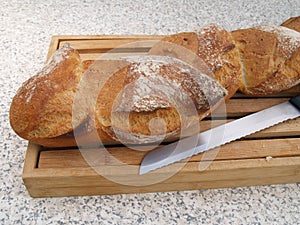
x: 160, y: 82
x: 288, y: 39
x: 54, y: 61
x: 211, y: 45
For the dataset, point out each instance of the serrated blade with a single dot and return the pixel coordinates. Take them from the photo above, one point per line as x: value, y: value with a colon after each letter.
x: 218, y: 136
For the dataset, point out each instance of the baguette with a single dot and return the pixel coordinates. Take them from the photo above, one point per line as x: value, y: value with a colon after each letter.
x: 128, y: 105
x: 152, y: 98
x: 271, y: 59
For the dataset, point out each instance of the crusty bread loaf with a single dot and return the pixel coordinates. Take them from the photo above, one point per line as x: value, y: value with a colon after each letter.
x: 42, y: 107
x: 155, y: 96
x: 215, y: 49
x: 271, y: 56
x: 142, y: 99
x: 292, y: 23
x: 130, y: 106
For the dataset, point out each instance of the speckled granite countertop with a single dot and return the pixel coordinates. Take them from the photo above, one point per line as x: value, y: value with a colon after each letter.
x: 25, y: 32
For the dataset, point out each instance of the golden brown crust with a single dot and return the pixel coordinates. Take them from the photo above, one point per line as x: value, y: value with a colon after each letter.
x: 292, y: 23
x: 42, y: 107
x: 270, y: 57
x: 128, y: 113
x: 152, y: 89
x: 216, y: 50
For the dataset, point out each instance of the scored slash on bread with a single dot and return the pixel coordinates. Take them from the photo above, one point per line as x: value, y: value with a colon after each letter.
x: 131, y: 106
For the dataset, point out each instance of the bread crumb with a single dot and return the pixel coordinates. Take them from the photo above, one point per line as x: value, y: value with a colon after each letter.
x: 268, y: 158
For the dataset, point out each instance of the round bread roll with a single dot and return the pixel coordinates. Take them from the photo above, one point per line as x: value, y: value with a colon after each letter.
x: 215, y: 50
x: 270, y: 56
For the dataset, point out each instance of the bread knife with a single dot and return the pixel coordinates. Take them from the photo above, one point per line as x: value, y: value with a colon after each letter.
x: 231, y: 131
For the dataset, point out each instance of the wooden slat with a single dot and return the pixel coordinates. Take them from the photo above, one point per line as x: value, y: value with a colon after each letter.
x: 108, y: 37
x: 288, y: 93
x: 231, y: 170
x: 242, y: 107
x: 290, y: 128
x: 97, y: 56
x: 91, y: 45
x: 245, y: 149
x: 191, y: 169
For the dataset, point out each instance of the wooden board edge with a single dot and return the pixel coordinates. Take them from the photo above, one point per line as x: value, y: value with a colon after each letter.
x: 31, y: 159
x: 107, y: 36
x: 53, y: 46
x: 69, y: 190
x: 96, y: 191
x: 56, y: 39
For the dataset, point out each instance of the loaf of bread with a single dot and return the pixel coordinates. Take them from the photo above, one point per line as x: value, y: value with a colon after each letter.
x: 155, y: 97
x: 144, y: 99
x: 215, y: 50
x: 271, y: 59
x: 292, y: 23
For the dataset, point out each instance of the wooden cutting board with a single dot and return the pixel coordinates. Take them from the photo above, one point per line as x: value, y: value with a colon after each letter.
x: 268, y: 157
